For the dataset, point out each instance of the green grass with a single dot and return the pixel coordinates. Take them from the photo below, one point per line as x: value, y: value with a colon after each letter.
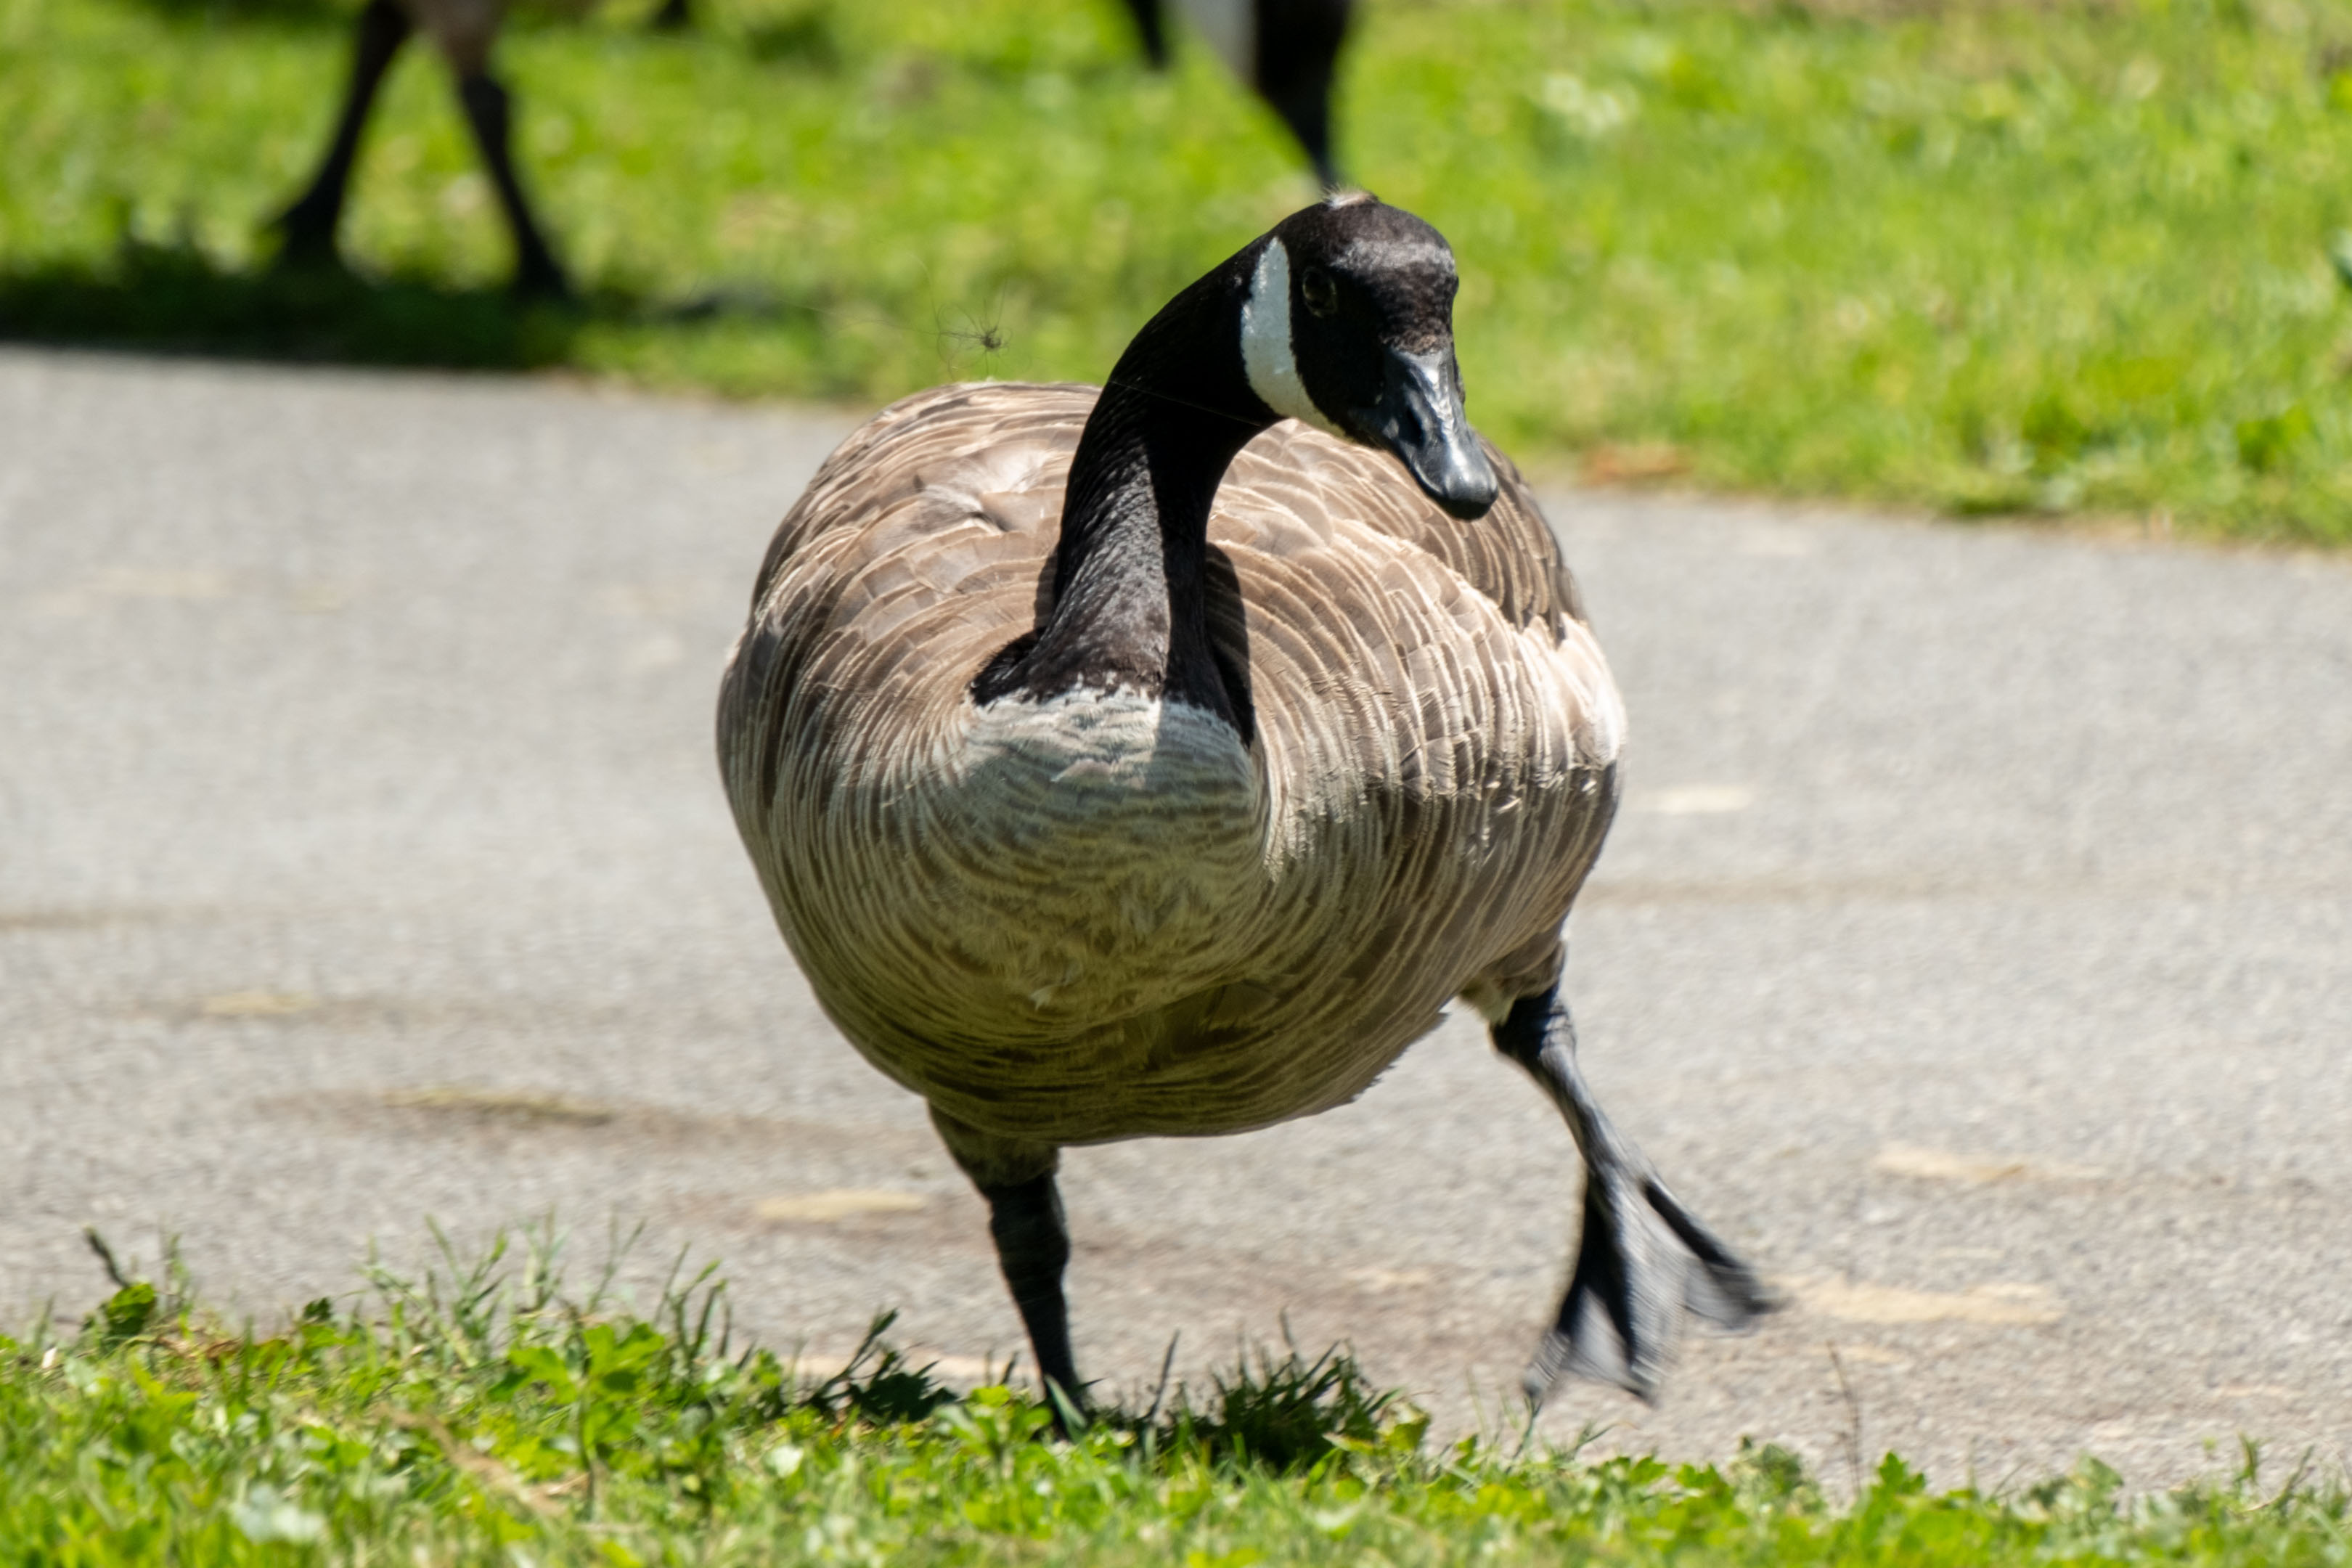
x: 483, y: 1416
x: 2069, y: 257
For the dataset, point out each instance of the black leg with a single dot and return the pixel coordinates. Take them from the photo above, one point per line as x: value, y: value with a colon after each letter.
x: 1033, y: 1246
x: 490, y: 113
x: 1033, y: 1240
x: 1298, y: 44
x: 1153, y: 27
x: 308, y: 227
x: 1643, y: 1258
x: 673, y: 16
x: 1307, y: 112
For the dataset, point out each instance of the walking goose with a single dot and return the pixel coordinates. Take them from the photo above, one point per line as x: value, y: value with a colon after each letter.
x: 1160, y: 761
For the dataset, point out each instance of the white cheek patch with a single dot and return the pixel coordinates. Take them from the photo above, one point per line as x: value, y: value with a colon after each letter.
x: 1265, y: 341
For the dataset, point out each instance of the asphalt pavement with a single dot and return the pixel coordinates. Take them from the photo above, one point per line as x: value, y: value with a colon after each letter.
x: 1975, y: 949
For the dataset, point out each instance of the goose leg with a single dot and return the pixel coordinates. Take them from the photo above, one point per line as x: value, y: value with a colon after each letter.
x: 1033, y: 1247
x: 1032, y: 1241
x: 489, y: 112
x: 1643, y: 1258
x: 1152, y: 30
x: 306, y: 229
x: 1298, y: 59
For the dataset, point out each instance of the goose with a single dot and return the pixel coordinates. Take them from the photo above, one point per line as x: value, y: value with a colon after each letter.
x: 1160, y: 760
x: 1286, y: 50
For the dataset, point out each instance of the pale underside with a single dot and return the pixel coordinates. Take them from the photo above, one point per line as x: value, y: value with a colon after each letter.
x: 1102, y: 916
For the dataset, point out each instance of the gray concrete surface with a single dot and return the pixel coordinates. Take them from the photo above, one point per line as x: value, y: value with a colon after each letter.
x: 1974, y: 949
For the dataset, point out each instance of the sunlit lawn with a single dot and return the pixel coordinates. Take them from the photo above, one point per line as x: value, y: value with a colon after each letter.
x: 2062, y: 257
x: 487, y: 1416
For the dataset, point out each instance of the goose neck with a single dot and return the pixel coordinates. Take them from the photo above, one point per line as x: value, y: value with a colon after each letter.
x: 1130, y: 593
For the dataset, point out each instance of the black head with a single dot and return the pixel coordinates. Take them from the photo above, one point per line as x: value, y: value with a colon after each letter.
x: 1349, y: 326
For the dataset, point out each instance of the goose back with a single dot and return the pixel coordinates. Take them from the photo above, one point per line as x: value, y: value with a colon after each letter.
x: 1255, y: 922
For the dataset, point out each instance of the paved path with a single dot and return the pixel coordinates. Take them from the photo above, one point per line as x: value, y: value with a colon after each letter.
x: 1976, y: 947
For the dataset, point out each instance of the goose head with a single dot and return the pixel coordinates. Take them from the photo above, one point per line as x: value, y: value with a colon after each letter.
x: 1348, y: 326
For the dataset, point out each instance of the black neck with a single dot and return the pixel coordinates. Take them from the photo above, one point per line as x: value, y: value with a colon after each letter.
x: 1130, y: 598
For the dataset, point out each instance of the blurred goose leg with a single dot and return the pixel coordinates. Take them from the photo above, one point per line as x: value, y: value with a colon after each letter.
x: 1151, y: 28
x: 1298, y: 62
x: 308, y: 227
x: 489, y: 112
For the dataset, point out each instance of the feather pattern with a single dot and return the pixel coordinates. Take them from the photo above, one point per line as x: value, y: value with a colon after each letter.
x: 1104, y: 915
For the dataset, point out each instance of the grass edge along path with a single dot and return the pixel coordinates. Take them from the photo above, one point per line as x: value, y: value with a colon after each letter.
x: 2073, y: 258
x: 484, y: 1415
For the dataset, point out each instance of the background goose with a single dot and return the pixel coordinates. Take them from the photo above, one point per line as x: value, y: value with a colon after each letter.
x: 1286, y: 50
x: 1141, y: 762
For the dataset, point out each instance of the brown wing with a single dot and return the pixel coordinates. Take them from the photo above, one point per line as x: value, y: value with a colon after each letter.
x: 914, y: 554
x: 961, y: 481
x: 1294, y: 474
x: 1444, y: 665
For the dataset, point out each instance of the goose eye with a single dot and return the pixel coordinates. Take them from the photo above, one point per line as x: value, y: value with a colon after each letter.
x: 1322, y: 295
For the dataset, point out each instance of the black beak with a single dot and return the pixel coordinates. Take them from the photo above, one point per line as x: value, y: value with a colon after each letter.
x: 1419, y: 417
